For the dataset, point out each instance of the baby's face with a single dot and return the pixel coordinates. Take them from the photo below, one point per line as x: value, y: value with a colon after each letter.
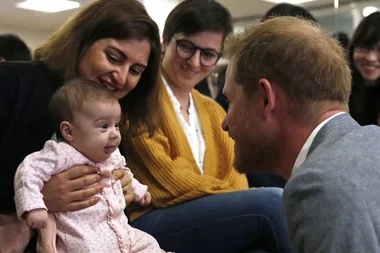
x: 96, y: 130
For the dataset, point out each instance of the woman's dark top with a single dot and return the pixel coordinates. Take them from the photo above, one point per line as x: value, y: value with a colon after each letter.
x: 365, y: 104
x: 25, y: 122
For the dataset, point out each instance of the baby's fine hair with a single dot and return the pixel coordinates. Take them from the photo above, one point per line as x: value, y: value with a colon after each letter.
x: 69, y: 99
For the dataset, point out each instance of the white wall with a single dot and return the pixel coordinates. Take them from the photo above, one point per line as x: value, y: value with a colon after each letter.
x: 33, y: 38
x: 159, y: 10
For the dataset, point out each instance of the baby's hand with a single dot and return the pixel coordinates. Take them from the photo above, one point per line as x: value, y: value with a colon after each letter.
x: 146, y: 199
x: 36, y: 218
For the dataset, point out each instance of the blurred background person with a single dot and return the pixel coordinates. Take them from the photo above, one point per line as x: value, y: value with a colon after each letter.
x: 343, y: 39
x: 364, y: 55
x: 13, y: 48
x: 285, y: 9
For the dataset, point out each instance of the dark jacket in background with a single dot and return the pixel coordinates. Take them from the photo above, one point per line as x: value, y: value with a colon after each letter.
x: 221, y: 99
x: 25, y: 123
x: 203, y: 88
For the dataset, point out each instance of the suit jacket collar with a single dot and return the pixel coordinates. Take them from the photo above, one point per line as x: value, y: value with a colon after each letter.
x: 333, y: 130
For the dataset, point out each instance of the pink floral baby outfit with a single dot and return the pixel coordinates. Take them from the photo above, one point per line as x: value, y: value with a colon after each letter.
x: 101, y: 228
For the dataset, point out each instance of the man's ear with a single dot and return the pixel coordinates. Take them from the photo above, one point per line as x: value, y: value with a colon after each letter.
x: 67, y: 131
x: 267, y: 95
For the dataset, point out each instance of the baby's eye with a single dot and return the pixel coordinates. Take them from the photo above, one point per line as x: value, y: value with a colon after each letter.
x: 104, y: 126
x: 117, y: 125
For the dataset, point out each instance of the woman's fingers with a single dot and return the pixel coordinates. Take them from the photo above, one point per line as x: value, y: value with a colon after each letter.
x: 84, y: 194
x: 80, y: 171
x: 84, y: 181
x: 62, y: 192
x: 78, y: 205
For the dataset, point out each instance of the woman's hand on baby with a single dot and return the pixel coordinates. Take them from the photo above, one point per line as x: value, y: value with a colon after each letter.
x: 37, y: 218
x: 146, y: 199
x: 126, y: 184
x: 70, y: 190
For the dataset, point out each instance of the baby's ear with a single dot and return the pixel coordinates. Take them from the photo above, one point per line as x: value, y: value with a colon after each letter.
x: 67, y: 131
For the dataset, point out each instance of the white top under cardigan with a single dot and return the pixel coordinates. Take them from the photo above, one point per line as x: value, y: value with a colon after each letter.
x: 193, y: 129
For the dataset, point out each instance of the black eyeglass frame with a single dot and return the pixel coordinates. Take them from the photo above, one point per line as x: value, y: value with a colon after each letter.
x: 196, y: 48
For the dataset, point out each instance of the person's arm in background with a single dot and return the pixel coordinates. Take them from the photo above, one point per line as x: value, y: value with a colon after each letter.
x: 324, y: 214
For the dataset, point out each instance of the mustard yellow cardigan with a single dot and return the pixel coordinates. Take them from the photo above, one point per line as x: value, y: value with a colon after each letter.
x: 166, y: 164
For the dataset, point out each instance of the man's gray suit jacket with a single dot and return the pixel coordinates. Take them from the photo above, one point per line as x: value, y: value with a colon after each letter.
x: 332, y: 201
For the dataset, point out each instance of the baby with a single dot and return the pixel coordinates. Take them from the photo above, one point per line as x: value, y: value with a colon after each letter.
x: 87, y: 117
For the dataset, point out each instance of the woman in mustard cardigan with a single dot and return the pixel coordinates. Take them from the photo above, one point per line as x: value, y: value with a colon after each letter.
x: 199, y: 202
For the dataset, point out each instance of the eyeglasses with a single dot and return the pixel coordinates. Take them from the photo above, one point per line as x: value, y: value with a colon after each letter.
x: 186, y: 49
x: 366, y: 50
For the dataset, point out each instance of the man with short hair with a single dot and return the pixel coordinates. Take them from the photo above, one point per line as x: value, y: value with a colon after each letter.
x: 288, y: 83
x: 13, y: 48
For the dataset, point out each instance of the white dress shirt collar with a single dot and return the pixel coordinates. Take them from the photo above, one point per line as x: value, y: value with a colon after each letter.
x: 305, y: 149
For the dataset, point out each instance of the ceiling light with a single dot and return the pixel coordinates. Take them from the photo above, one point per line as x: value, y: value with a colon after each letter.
x: 50, y: 6
x: 288, y: 1
x: 336, y: 4
x: 369, y: 10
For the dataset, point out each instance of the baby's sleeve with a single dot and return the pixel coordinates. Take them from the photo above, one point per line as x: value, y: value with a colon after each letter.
x: 139, y: 189
x: 36, y: 169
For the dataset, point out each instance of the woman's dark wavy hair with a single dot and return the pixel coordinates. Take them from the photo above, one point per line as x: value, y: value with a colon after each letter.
x: 117, y: 19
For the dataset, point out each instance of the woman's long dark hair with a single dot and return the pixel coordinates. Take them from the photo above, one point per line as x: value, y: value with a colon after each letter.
x: 117, y: 19
x: 364, y: 101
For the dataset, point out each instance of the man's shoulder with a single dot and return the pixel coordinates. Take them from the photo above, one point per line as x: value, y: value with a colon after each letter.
x: 334, y: 195
x: 345, y: 151
x: 345, y: 160
x: 349, y: 164
x: 336, y: 204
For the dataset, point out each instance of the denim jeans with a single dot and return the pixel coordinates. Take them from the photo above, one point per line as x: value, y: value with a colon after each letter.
x: 224, y: 223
